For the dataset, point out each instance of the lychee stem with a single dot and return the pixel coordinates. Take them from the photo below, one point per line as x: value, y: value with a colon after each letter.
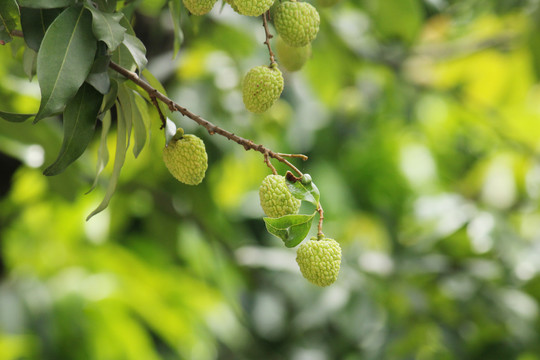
x: 268, y: 37
x: 320, y: 234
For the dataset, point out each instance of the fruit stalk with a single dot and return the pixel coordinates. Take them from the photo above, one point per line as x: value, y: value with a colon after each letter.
x: 269, y: 36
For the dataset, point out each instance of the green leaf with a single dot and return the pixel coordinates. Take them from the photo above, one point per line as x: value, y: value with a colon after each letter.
x: 46, y: 4
x: 175, y: 7
x: 35, y: 22
x: 11, y: 117
x: 106, y: 5
x: 137, y: 50
x: 306, y: 192
x: 64, y: 59
x: 119, y: 158
x: 99, y: 75
x: 141, y: 123
x: 126, y: 107
x: 110, y: 97
x: 103, y: 151
x: 9, y: 13
x: 79, y: 124
x: 29, y: 62
x: 292, y: 229
x: 154, y: 82
x: 107, y: 27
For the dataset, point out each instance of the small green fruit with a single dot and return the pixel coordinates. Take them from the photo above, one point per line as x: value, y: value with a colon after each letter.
x: 199, y: 7
x: 290, y: 57
x: 253, y: 7
x: 261, y: 87
x: 276, y: 199
x: 186, y: 159
x: 319, y: 261
x: 297, y: 22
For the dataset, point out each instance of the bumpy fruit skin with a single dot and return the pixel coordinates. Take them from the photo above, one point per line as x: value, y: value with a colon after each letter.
x: 199, y: 7
x: 276, y: 199
x: 292, y: 58
x: 253, y: 7
x: 297, y: 22
x: 186, y: 159
x: 319, y: 261
x: 261, y: 87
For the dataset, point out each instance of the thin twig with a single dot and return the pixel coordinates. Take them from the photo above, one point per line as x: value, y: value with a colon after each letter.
x: 211, y: 128
x: 269, y: 164
x: 268, y: 36
x: 300, y: 156
x: 161, y: 116
x: 320, y: 234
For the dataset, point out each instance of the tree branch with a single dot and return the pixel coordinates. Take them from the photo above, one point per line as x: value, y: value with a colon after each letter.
x: 211, y: 128
x: 268, y: 37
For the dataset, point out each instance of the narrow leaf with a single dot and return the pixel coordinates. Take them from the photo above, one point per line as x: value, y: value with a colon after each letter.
x: 137, y: 50
x: 119, y: 158
x: 29, y: 62
x: 65, y: 59
x: 106, y: 27
x: 103, y: 151
x: 9, y: 13
x: 306, y: 192
x: 46, y: 4
x: 141, y: 123
x: 79, y: 124
x: 292, y: 229
x: 110, y: 97
x: 175, y: 8
x: 99, y: 75
x: 11, y: 117
x: 35, y: 22
x: 126, y: 108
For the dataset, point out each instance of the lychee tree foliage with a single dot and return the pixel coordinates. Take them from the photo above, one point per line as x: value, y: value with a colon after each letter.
x: 91, y: 66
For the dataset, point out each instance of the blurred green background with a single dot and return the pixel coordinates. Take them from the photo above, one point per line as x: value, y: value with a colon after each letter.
x: 421, y: 120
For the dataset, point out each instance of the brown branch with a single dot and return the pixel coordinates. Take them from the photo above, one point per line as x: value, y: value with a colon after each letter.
x: 269, y: 164
x: 161, y: 117
x: 211, y: 128
x: 320, y: 234
x: 268, y: 37
x: 300, y: 156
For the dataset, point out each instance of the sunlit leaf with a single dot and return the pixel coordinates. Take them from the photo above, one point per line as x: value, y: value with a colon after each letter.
x: 119, y: 158
x: 65, y: 59
x: 292, y: 229
x: 103, y: 151
x: 306, y: 192
x: 79, y: 123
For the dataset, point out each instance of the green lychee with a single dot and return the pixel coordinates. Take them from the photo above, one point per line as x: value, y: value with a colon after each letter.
x: 276, y: 199
x: 297, y: 22
x: 186, y: 158
x: 261, y: 87
x: 253, y: 7
x: 290, y: 57
x: 319, y: 261
x: 199, y: 7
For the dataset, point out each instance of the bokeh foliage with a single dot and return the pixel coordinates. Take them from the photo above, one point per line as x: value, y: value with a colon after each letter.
x: 422, y: 124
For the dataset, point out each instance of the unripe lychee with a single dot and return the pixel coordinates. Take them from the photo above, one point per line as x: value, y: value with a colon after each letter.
x: 253, y: 7
x: 319, y: 261
x: 297, y: 22
x: 261, y: 87
x: 199, y: 7
x: 186, y: 159
x: 276, y: 199
x: 290, y: 57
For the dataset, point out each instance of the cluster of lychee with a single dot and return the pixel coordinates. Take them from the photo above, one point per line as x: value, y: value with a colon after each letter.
x: 297, y: 24
x: 319, y: 258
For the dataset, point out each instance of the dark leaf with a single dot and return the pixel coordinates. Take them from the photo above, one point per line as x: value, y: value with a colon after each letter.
x: 15, y: 117
x: 65, y: 59
x: 9, y: 13
x: 79, y: 124
x: 34, y: 23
